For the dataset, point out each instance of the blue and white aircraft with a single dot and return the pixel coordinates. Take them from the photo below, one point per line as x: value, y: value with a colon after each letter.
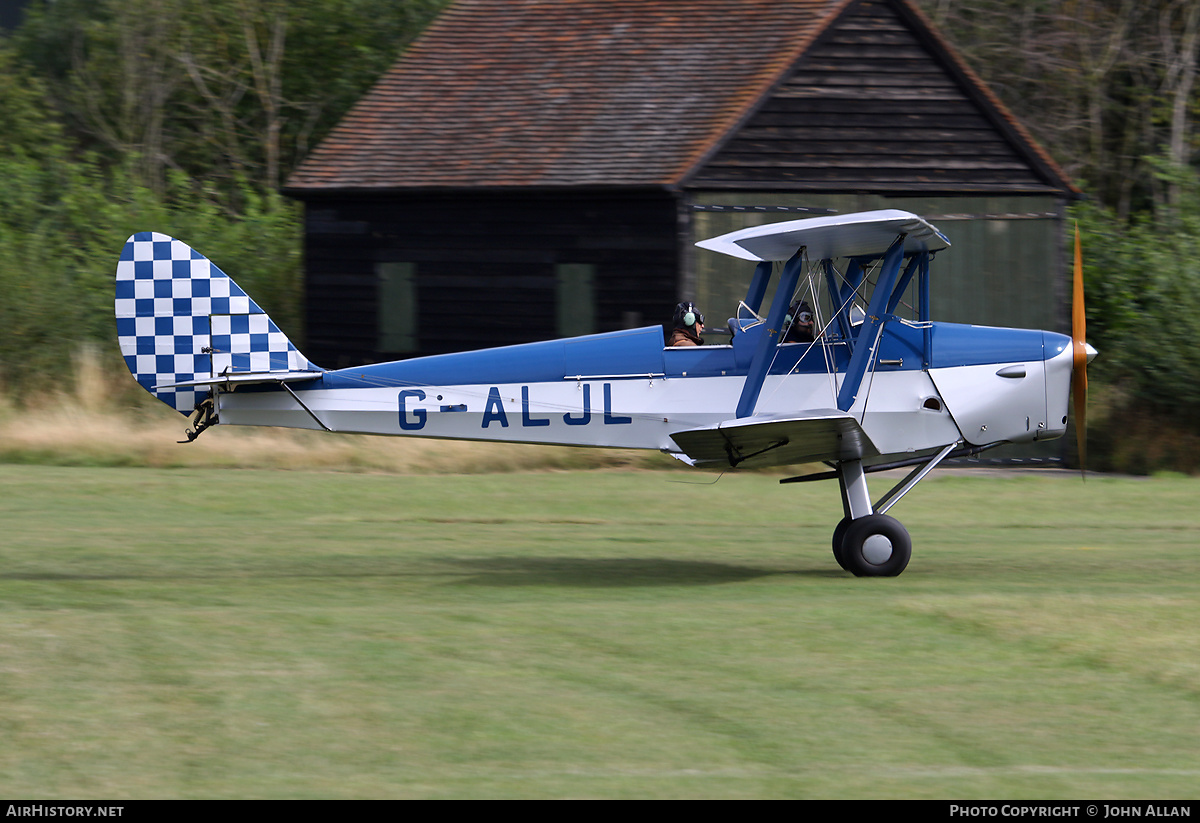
x: 871, y: 390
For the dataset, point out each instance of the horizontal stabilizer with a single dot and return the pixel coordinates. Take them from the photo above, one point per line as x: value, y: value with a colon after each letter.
x: 244, y: 379
x: 776, y: 440
x: 837, y: 235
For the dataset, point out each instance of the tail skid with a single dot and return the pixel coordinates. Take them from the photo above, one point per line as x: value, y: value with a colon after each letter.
x: 185, y: 326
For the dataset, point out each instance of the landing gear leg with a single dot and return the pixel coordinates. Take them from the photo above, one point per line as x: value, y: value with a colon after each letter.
x: 867, y: 544
x: 856, y: 502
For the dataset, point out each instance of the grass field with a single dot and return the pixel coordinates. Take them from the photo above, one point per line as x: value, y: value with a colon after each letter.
x: 239, y: 633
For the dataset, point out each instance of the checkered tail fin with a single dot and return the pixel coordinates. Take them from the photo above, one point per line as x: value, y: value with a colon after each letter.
x: 181, y: 320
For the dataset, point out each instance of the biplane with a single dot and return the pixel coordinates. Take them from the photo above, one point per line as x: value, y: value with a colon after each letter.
x: 868, y: 390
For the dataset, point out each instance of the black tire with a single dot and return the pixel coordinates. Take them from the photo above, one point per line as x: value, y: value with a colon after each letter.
x: 839, y: 536
x: 876, y: 546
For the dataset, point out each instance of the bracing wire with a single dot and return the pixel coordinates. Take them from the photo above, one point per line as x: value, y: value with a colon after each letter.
x: 814, y: 290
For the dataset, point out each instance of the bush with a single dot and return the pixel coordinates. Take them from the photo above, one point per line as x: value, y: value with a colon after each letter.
x: 1143, y: 293
x: 61, y: 234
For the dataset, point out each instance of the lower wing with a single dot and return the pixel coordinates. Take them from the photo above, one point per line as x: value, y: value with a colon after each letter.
x: 776, y: 440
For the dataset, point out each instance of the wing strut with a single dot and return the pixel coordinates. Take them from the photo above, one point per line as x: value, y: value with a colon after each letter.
x: 758, y: 286
x: 843, y: 293
x: 868, y: 333
x: 769, y: 341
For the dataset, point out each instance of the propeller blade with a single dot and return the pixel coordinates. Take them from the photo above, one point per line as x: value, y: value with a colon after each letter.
x: 1080, y: 358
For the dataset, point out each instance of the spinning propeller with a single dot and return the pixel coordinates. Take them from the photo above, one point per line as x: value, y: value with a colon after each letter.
x: 1083, y: 354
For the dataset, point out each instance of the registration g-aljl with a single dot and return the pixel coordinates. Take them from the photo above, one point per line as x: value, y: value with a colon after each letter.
x: 870, y: 390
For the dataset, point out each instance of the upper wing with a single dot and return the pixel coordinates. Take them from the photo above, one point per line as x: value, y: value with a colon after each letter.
x: 775, y: 440
x: 835, y: 235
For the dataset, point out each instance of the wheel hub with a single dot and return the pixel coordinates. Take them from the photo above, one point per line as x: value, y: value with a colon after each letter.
x: 877, y: 549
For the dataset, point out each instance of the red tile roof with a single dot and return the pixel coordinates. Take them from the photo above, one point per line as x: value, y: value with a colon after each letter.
x: 565, y: 92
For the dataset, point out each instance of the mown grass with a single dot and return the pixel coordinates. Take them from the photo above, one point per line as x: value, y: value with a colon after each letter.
x: 247, y: 633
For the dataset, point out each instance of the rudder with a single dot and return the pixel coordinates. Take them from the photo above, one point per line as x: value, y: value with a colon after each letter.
x: 181, y: 319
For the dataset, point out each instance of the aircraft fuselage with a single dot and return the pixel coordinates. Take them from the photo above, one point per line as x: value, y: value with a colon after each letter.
x: 931, y: 384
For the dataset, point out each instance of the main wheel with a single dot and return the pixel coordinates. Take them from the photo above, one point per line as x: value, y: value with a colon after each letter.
x: 875, y: 546
x: 839, y: 536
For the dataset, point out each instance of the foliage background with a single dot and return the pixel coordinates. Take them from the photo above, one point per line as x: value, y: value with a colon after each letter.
x: 184, y: 116
x: 180, y: 116
x: 1109, y: 87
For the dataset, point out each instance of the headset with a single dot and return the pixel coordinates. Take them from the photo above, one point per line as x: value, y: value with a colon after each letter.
x: 686, y: 315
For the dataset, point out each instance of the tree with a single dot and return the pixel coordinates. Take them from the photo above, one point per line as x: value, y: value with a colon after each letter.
x: 1143, y: 288
x: 1179, y: 33
x: 1104, y: 84
x: 224, y: 90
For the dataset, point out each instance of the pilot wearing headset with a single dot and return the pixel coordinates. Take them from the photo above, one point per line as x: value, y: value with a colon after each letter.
x: 689, y: 325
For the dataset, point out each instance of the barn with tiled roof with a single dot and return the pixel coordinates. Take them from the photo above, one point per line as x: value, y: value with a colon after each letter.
x: 540, y: 168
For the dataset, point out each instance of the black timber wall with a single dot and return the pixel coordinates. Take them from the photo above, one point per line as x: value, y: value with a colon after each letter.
x: 485, y: 265
x: 876, y: 105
